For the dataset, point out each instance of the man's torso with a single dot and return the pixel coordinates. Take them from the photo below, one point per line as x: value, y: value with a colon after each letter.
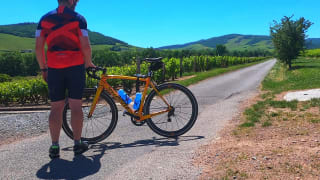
x: 62, y: 28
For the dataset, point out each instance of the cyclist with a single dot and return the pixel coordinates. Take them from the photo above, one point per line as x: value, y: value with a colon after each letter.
x: 68, y: 54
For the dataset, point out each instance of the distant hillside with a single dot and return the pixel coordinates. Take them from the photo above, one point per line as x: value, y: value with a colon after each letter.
x: 313, y: 43
x: 22, y: 30
x: 238, y: 42
x: 27, y: 30
x: 16, y: 37
x: 231, y: 41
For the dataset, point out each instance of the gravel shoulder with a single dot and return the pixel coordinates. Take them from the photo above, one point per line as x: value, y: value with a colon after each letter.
x: 21, y: 125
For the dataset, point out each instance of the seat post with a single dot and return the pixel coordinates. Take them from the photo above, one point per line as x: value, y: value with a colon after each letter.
x: 137, y: 85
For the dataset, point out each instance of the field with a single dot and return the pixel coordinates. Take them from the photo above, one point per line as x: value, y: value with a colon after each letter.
x: 15, y: 43
x: 238, y: 44
x: 117, y: 47
x: 312, y: 53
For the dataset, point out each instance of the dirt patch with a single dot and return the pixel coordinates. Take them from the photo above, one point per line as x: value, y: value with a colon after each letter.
x: 186, y: 77
x: 287, y: 149
x: 280, y: 97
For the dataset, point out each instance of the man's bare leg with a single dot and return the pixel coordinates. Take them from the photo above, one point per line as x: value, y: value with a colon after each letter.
x: 77, y: 123
x: 55, y: 119
x: 76, y: 117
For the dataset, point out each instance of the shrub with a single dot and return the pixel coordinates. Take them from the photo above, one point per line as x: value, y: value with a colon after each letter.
x: 5, y: 78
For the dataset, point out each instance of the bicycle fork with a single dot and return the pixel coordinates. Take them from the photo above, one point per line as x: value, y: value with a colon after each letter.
x: 95, y: 101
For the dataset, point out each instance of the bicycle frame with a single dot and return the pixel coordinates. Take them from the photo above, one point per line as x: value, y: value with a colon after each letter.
x: 104, y: 85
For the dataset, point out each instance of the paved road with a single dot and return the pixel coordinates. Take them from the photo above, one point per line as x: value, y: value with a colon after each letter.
x: 136, y: 152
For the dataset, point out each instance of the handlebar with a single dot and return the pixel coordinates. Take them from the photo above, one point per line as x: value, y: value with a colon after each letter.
x: 91, y: 71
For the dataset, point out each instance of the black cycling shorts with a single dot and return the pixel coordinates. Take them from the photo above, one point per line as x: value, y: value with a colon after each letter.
x: 72, y: 79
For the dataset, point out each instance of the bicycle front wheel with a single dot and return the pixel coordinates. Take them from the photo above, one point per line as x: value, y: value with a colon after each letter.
x: 182, y: 116
x: 100, y: 125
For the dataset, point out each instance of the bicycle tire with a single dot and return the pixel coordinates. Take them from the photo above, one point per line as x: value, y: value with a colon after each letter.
x: 105, y: 117
x: 178, y: 97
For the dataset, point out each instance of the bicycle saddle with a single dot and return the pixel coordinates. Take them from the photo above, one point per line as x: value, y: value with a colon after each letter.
x: 153, y: 59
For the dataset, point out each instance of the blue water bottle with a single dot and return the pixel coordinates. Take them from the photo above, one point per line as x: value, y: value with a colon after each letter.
x: 124, y: 96
x: 137, y: 101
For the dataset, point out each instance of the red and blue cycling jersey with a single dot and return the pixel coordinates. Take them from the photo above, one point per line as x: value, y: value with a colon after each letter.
x: 62, y: 28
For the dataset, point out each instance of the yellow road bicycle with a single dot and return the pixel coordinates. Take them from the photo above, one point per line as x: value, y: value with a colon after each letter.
x: 169, y: 109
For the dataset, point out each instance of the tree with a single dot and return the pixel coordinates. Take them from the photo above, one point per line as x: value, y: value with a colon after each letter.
x: 221, y: 50
x: 288, y: 38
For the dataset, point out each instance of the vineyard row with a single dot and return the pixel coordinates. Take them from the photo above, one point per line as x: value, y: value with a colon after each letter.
x: 35, y: 91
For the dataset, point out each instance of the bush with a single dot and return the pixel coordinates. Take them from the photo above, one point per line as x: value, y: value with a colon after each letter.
x: 32, y: 91
x: 5, y: 78
x: 11, y: 64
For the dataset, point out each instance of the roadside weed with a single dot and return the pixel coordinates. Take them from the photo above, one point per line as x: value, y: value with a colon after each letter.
x: 266, y: 124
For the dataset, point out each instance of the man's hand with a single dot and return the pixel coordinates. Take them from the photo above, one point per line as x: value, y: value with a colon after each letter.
x: 89, y: 64
x: 45, y: 76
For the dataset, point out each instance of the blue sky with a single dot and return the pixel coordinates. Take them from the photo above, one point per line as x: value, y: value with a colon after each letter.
x: 155, y: 23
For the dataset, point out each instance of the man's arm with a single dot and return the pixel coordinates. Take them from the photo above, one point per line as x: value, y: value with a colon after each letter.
x: 41, y: 58
x: 86, y: 51
x: 40, y: 42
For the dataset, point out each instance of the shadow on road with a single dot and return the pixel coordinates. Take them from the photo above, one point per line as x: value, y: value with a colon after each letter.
x: 83, y: 166
x: 152, y: 142
x: 80, y: 167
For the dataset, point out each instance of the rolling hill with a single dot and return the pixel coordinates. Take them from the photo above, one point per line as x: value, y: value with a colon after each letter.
x: 313, y: 43
x: 238, y: 42
x: 21, y: 37
x: 17, y: 37
x: 10, y: 42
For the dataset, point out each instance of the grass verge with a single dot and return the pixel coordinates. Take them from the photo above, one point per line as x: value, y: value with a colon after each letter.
x: 277, y: 139
x: 305, y: 74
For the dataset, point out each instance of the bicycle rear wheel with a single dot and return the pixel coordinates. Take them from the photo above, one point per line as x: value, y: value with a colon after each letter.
x: 102, y: 122
x: 184, y: 110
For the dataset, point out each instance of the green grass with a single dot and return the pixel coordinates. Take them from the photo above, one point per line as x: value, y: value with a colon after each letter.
x: 14, y: 43
x: 312, y: 53
x: 254, y: 113
x: 315, y: 102
x: 283, y: 104
x: 305, y: 74
x: 266, y: 124
x: 315, y: 121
